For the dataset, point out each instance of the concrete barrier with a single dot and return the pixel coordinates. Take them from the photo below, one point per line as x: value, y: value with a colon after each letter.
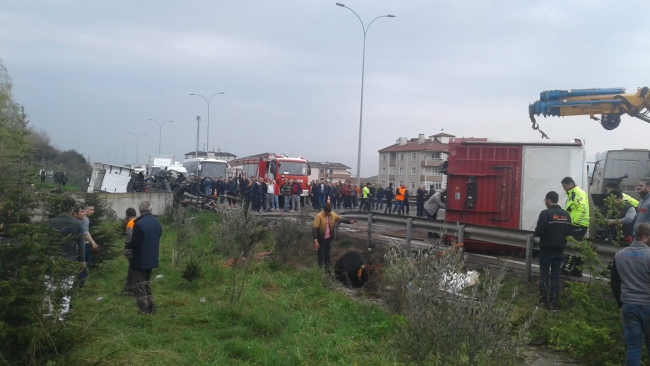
x: 121, y: 201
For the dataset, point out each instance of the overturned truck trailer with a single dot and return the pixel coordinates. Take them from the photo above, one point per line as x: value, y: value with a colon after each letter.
x: 109, y: 178
x: 503, y: 183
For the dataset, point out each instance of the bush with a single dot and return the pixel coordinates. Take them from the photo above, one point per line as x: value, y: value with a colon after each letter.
x: 236, y: 238
x: 291, y: 240
x: 444, y: 325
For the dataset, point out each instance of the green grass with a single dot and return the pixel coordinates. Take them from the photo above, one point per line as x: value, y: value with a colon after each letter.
x: 286, y: 317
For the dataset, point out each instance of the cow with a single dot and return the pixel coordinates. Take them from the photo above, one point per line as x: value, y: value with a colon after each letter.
x: 352, y: 269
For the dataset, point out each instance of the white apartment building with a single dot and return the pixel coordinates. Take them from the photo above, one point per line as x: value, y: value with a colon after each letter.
x: 414, y: 162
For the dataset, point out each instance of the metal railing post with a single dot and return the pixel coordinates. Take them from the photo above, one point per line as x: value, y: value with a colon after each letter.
x: 369, y: 231
x: 409, y: 227
x: 530, y: 241
x: 460, y: 236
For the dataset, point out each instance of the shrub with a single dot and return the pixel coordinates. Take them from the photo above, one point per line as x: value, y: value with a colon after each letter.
x: 236, y: 238
x: 291, y: 239
x: 443, y: 324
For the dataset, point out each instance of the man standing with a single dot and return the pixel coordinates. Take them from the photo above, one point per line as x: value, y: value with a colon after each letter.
x: 553, y: 227
x: 231, y: 192
x: 323, y: 231
x: 630, y: 283
x: 323, y: 191
x: 90, y: 244
x: 130, y: 219
x: 286, y: 194
x: 399, y: 199
x: 420, y: 196
x: 145, y: 246
x: 336, y: 196
x: 42, y: 174
x: 624, y: 217
x: 379, y: 203
x: 365, y: 195
x: 296, y: 191
x: 270, y: 193
x: 388, y: 194
x: 68, y: 224
x: 577, y: 205
x: 643, y: 209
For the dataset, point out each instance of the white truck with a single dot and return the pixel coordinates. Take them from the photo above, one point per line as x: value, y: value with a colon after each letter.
x: 157, y: 162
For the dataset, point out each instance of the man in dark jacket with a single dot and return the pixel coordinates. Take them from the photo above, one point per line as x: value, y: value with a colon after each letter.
x: 630, y: 282
x: 553, y: 227
x: 231, y: 191
x: 379, y: 203
x: 389, y: 193
x: 145, y: 248
x: 296, y: 191
x: 420, y: 198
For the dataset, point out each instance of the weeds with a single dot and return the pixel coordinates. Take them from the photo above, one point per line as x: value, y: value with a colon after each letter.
x: 447, y: 325
x: 236, y: 238
x: 291, y: 239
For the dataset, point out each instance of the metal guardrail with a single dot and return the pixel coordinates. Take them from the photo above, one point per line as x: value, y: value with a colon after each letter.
x: 514, y: 238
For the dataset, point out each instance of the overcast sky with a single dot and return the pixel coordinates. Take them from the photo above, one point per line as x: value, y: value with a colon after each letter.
x: 89, y: 73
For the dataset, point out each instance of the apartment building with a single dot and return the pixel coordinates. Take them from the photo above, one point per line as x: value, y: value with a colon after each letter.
x: 414, y: 162
x: 330, y: 172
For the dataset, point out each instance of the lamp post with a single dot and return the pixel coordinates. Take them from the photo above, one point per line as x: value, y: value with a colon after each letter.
x: 124, y: 143
x: 363, y: 63
x: 207, y: 137
x: 160, y: 135
x: 137, y: 144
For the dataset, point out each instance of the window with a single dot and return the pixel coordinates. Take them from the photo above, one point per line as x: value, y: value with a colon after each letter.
x: 383, y: 157
x: 414, y: 156
x: 412, y: 170
x: 401, y: 182
x: 401, y: 157
x: 391, y: 170
x: 383, y: 170
x: 322, y: 171
x: 401, y: 170
x: 392, y: 182
x: 435, y: 156
x: 383, y: 183
x: 435, y: 171
x: 437, y: 185
x: 412, y: 185
x: 331, y: 171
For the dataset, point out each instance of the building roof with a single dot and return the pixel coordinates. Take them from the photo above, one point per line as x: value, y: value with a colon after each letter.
x: 201, y: 153
x: 442, y: 134
x: 316, y: 164
x: 412, y: 145
x: 223, y: 153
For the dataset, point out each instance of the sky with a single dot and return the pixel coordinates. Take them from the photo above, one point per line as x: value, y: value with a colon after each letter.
x: 93, y: 73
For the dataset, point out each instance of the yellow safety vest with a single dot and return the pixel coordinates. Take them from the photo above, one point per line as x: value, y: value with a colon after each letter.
x: 577, y: 204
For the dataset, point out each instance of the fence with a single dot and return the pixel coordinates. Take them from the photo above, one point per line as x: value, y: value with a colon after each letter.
x: 513, y: 238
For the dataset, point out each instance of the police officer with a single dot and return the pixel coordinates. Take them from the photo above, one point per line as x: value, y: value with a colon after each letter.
x: 577, y: 204
x: 613, y: 186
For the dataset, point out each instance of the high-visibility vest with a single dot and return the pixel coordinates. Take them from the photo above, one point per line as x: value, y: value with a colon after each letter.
x: 577, y: 204
x: 399, y: 194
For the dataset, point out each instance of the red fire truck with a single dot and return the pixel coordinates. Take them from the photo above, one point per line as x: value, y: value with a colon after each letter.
x: 279, y: 168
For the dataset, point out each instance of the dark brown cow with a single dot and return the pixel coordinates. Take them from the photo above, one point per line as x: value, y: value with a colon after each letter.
x: 352, y: 269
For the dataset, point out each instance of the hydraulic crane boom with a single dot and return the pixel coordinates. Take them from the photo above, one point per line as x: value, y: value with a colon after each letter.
x: 610, y: 103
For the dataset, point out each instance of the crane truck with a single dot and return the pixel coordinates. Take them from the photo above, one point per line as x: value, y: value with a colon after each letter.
x: 610, y: 103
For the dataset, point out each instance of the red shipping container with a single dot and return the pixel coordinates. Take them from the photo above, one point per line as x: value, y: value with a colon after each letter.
x: 502, y: 184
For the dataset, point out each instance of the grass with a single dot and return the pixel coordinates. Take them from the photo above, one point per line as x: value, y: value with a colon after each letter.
x: 286, y: 317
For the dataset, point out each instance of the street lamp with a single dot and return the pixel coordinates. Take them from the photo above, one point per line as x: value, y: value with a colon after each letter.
x: 124, y: 143
x: 207, y: 138
x: 363, y: 63
x: 160, y: 135
x: 137, y: 144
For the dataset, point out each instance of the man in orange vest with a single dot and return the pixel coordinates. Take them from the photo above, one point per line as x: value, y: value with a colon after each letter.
x: 399, y: 199
x: 130, y: 218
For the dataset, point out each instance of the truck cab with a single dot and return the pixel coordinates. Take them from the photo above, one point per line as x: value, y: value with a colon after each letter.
x: 625, y: 167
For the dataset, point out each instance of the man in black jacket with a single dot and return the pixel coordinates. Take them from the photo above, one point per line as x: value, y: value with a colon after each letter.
x: 145, y: 246
x: 553, y: 227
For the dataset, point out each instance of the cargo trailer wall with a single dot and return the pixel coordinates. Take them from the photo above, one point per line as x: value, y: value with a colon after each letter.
x: 544, y: 167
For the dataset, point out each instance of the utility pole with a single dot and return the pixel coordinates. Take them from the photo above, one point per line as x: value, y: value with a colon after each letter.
x: 198, y: 123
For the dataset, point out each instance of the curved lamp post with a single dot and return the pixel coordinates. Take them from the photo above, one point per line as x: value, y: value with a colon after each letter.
x: 207, y: 101
x: 160, y: 131
x: 363, y: 63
